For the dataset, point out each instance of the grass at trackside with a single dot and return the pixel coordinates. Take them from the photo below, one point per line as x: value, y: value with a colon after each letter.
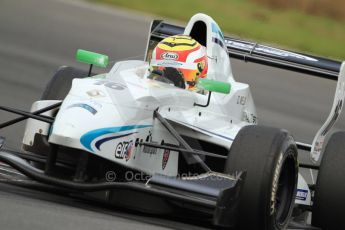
x: 242, y: 18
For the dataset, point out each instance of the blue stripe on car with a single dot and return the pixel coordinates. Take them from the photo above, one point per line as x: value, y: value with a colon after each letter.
x: 100, y: 142
x: 83, y: 106
x: 216, y: 29
x: 88, y: 137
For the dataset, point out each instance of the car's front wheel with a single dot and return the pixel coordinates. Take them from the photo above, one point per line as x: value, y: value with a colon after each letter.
x: 56, y: 89
x: 269, y: 158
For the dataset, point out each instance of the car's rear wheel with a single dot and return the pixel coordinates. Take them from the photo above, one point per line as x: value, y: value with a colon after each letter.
x: 329, y: 201
x: 269, y: 157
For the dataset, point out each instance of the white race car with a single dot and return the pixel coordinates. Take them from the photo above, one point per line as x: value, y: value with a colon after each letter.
x: 151, y: 146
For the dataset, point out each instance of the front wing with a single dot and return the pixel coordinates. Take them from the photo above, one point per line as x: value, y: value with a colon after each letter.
x: 213, y: 194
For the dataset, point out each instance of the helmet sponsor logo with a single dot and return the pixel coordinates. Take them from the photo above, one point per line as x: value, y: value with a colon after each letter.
x: 173, y: 64
x: 169, y: 56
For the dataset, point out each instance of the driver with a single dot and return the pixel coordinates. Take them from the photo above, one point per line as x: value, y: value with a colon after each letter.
x: 179, y: 60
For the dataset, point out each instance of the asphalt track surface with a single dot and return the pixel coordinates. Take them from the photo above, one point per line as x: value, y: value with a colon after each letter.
x: 37, y: 36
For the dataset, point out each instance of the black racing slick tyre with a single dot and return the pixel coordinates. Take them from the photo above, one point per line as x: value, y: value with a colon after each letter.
x: 56, y: 89
x: 269, y: 158
x: 329, y: 202
x: 61, y: 82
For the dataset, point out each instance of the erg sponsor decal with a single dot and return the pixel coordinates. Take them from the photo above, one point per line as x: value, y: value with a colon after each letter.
x: 124, y: 150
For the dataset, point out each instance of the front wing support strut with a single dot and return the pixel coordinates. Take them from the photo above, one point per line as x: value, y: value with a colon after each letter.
x: 25, y: 115
x: 189, y: 157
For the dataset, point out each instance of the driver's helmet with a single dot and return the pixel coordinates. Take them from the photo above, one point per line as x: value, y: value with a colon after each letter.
x: 179, y: 60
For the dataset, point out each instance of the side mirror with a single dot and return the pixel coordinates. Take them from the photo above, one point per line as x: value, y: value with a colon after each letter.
x: 92, y: 59
x: 214, y: 86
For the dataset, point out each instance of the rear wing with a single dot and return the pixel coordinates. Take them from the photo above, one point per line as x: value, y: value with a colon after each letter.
x: 275, y: 57
x: 257, y: 53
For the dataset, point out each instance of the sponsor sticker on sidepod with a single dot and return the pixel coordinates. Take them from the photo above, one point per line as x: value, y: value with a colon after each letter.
x: 165, y: 159
x: 302, y: 194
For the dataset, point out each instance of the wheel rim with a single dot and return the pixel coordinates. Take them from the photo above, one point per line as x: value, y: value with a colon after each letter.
x: 286, y: 191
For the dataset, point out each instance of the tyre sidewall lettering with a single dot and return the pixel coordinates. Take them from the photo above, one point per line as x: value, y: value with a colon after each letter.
x: 275, y: 182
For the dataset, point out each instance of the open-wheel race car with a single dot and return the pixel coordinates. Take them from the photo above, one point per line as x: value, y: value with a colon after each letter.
x: 142, y: 140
